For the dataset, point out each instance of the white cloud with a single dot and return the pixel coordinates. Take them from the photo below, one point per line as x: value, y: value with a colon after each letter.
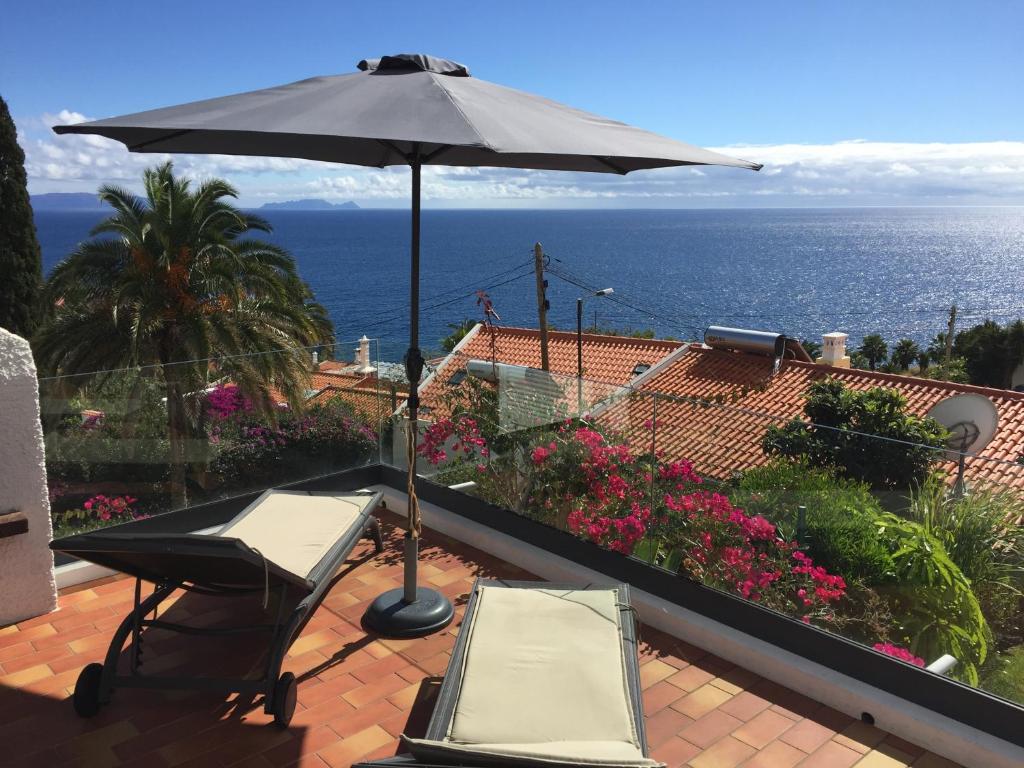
x: 843, y: 173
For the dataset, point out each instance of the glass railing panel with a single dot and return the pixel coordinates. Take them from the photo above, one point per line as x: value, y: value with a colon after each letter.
x: 143, y: 441
x: 863, y: 535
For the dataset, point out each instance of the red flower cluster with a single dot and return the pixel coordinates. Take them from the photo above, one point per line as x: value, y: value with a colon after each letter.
x: 827, y: 587
x: 116, y: 508
x: 224, y: 401
x: 467, y: 439
x: 899, y: 653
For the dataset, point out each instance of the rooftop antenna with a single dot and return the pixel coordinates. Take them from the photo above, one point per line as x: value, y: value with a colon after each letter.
x: 971, y: 420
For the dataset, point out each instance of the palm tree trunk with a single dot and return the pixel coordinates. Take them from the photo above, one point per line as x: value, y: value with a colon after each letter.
x: 177, y: 432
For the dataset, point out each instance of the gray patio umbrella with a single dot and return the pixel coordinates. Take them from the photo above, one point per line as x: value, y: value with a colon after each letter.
x: 413, y: 110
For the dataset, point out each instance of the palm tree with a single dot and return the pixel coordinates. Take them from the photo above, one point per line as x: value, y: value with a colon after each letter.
x: 924, y: 359
x: 182, y: 293
x: 874, y: 349
x: 904, y: 354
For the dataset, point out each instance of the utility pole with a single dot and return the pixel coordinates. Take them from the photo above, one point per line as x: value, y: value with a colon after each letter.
x: 949, y: 336
x: 542, y: 303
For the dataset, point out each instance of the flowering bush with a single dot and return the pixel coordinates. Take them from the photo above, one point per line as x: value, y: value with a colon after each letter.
x: 326, y: 438
x: 899, y: 653
x: 107, y: 509
x: 606, y: 491
x: 225, y: 401
x: 463, y: 430
x: 634, y: 502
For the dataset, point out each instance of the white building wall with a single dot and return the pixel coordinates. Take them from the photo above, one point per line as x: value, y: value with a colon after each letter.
x: 27, y: 586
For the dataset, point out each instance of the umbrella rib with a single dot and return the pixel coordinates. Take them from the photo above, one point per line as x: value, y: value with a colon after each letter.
x: 172, y: 135
x: 392, y: 147
x: 608, y: 163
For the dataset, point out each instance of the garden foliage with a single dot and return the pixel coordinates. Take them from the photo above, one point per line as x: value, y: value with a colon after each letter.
x: 866, y: 436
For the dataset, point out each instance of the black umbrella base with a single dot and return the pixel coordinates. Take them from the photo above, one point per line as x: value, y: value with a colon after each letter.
x: 390, y: 616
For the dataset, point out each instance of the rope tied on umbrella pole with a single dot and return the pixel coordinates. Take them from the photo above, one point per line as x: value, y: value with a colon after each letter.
x: 413, y: 370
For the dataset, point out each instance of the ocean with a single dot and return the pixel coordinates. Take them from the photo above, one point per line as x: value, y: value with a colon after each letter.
x: 803, y: 272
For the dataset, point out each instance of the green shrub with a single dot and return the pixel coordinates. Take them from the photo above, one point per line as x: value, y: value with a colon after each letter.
x: 1004, y: 674
x: 980, y: 533
x: 931, y: 599
x: 326, y: 438
x: 843, y: 430
x: 842, y: 516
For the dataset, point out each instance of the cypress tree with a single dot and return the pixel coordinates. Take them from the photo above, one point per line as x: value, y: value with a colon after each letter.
x: 21, y: 268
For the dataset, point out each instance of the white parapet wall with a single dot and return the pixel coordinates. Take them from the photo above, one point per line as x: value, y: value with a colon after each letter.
x: 27, y: 586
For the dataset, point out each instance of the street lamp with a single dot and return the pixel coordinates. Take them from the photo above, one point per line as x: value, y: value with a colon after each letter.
x: 579, y: 343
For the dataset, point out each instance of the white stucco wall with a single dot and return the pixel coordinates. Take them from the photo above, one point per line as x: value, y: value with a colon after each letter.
x: 27, y: 586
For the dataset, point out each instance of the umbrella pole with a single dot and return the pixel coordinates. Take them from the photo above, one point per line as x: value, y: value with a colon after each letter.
x: 411, y: 611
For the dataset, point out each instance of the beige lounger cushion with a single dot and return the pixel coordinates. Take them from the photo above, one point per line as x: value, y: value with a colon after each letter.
x: 544, y: 679
x: 295, y: 530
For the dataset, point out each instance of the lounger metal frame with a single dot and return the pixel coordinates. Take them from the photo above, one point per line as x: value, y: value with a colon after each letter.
x: 448, y: 696
x: 280, y: 586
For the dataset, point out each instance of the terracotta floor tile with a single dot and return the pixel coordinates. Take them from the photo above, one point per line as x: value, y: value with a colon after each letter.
x: 690, y: 678
x: 33, y: 634
x: 309, y: 741
x: 374, y: 690
x: 664, y: 725
x: 359, y: 719
x: 889, y: 758
x: 312, y: 642
x: 903, y: 746
x: 26, y: 675
x: 659, y: 696
x: 763, y: 729
x: 676, y: 752
x: 778, y: 754
x: 16, y: 650
x: 379, y: 668
x: 735, y: 680
x: 655, y: 671
x: 860, y: 737
x: 312, y: 695
x: 832, y: 755
x: 745, y: 705
x: 700, y: 702
x: 342, y: 754
x: 726, y: 753
x: 807, y: 735
x: 706, y: 730
x: 405, y: 698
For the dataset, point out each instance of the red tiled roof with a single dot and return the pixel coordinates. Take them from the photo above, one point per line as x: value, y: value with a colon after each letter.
x: 606, y: 359
x: 721, y: 439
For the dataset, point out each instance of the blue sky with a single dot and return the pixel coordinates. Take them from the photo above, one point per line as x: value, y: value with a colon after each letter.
x: 931, y: 92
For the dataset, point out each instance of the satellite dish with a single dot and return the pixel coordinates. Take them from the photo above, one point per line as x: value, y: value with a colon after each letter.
x: 971, y: 420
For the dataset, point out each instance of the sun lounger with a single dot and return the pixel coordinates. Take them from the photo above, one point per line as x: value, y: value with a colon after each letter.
x: 541, y: 675
x: 286, y: 546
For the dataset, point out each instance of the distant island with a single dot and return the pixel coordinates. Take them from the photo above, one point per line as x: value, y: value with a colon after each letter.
x: 69, y: 201
x: 311, y: 204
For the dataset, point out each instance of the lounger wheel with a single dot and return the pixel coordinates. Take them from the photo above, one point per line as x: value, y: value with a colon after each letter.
x: 283, y: 705
x: 87, y: 690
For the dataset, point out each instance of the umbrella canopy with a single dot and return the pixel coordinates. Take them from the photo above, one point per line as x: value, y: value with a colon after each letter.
x: 377, y: 117
x: 415, y: 110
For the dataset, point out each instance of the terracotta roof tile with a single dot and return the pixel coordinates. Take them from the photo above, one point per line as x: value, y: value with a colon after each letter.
x: 722, y: 439
x: 606, y: 359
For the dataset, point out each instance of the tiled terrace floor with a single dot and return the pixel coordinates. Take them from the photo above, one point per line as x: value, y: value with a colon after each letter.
x: 357, y: 693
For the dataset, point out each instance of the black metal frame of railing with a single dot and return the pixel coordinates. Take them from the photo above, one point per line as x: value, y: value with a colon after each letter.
x: 971, y: 706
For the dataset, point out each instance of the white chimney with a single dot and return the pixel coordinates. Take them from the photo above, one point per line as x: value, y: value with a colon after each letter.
x: 363, y: 357
x: 833, y: 350
x: 316, y: 360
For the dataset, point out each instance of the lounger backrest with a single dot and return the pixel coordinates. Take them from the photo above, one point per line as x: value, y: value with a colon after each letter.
x: 295, y: 530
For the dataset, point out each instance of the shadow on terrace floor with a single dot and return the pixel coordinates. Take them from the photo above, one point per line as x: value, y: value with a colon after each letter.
x: 358, y: 692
